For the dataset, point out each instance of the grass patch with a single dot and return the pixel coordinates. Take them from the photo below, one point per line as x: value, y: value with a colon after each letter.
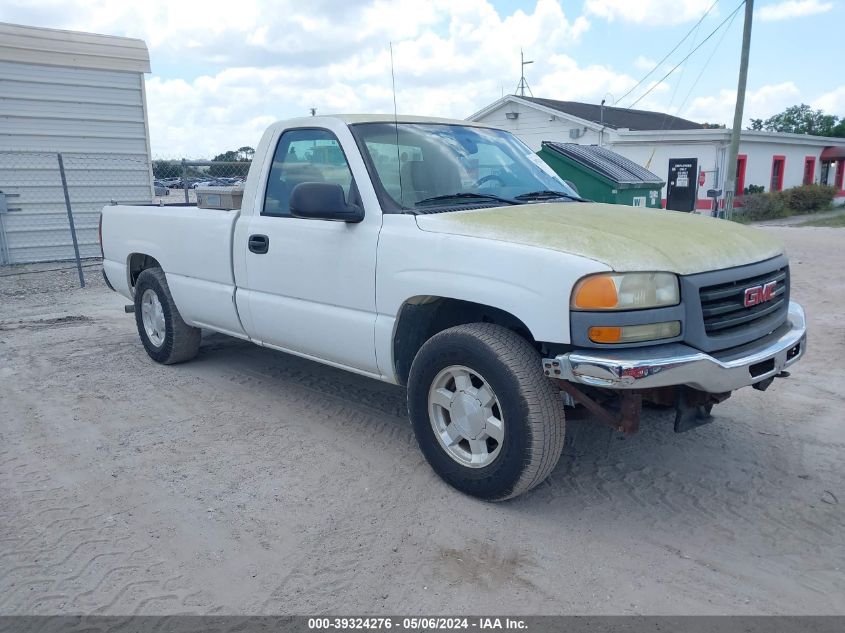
x: 836, y: 221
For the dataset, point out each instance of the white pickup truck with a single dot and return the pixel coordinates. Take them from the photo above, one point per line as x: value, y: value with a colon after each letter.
x: 445, y: 256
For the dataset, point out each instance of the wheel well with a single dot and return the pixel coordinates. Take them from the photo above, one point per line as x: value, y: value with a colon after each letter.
x: 420, y: 318
x: 139, y: 262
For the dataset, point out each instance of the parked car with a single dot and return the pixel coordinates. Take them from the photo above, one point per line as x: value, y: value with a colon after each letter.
x: 465, y: 269
x: 215, y: 182
x: 160, y: 188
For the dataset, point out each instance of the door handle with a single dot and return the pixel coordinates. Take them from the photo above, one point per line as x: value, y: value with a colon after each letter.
x: 259, y: 244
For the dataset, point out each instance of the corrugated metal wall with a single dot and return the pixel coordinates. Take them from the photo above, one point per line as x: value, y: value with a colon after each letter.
x: 95, y: 118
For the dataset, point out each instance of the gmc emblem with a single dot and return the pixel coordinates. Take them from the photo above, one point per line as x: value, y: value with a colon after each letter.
x: 760, y: 294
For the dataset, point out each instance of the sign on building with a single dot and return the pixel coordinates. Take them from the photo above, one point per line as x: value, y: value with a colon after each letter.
x: 682, y: 190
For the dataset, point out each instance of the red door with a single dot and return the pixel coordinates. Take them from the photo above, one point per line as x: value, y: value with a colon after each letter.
x: 809, y: 170
x: 778, y: 164
x: 741, y: 162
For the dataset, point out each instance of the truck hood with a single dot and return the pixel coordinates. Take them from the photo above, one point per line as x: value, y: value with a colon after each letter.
x: 624, y: 238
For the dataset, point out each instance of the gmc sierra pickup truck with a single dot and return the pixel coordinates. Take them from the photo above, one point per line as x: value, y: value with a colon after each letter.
x: 445, y: 256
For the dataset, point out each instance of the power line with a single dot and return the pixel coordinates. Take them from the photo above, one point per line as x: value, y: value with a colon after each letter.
x: 706, y: 64
x: 679, y: 82
x: 692, y: 87
x: 677, y: 46
x: 692, y: 52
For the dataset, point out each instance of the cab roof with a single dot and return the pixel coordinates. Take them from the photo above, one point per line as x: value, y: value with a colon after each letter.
x: 351, y: 119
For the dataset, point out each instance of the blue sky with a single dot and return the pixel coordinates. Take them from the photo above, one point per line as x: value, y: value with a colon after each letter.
x: 801, y: 50
x: 220, y: 74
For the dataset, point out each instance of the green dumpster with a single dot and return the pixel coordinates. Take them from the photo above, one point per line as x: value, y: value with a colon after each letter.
x: 602, y: 175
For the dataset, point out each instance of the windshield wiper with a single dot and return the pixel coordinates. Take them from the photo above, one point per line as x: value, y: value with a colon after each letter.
x: 465, y: 196
x: 546, y: 194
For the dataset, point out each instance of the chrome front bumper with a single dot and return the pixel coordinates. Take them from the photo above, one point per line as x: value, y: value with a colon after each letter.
x: 677, y: 364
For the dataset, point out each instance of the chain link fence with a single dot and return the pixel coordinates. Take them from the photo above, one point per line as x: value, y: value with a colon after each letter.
x: 50, y: 202
x: 177, y: 181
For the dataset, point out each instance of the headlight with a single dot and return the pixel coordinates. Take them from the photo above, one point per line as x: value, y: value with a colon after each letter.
x: 626, y: 291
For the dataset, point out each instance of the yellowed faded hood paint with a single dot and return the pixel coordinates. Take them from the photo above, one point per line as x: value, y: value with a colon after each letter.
x: 624, y: 238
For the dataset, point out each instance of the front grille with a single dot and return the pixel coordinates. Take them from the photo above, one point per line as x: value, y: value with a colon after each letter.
x: 723, y: 309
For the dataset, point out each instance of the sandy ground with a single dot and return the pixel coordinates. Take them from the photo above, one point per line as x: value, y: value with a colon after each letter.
x: 250, y: 481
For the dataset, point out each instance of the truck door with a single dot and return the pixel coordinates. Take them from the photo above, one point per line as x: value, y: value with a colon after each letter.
x: 310, y: 284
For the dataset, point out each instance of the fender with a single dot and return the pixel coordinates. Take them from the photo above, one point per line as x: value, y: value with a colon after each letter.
x: 514, y: 278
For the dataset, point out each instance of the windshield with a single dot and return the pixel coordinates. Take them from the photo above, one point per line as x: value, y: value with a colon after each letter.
x: 428, y: 165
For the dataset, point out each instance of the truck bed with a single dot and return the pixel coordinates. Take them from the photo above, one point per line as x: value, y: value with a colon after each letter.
x: 192, y: 245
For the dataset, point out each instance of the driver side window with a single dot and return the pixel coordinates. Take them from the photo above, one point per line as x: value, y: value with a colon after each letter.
x: 307, y: 155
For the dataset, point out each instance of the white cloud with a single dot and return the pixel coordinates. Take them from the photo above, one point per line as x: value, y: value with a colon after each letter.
x: 451, y: 59
x: 650, y: 12
x: 564, y: 79
x: 792, y: 9
x: 759, y: 104
x: 270, y: 60
x: 832, y: 102
x: 644, y: 63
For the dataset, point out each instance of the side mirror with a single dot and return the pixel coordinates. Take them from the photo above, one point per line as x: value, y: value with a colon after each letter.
x: 323, y: 201
x: 572, y: 186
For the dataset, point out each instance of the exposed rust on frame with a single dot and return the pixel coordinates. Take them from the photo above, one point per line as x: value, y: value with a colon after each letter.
x: 626, y: 421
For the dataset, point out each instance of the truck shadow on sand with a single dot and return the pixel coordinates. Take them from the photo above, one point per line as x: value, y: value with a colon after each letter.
x: 713, y: 470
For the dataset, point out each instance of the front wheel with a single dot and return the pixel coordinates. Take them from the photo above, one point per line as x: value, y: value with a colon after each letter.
x: 486, y: 418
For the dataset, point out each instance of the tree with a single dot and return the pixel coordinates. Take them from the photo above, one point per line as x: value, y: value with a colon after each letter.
x: 799, y: 119
x: 232, y: 156
x: 166, y: 169
x: 246, y: 153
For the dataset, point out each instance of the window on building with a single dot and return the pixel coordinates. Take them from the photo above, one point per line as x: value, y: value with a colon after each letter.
x: 741, y: 162
x: 778, y: 165
x: 809, y: 170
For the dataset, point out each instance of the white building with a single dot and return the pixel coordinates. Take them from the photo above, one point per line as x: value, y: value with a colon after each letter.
x: 769, y: 159
x: 81, y: 95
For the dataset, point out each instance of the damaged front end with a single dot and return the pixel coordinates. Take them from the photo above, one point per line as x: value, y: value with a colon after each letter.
x: 613, y: 384
x: 621, y: 409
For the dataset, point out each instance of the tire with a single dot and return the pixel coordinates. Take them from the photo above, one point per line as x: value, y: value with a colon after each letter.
x: 527, y: 413
x: 177, y: 341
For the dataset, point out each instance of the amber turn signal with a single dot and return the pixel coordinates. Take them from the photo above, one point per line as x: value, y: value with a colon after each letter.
x: 605, y: 334
x: 596, y: 293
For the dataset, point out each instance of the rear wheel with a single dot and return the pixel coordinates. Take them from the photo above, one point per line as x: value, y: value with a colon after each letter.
x: 487, y: 419
x: 165, y: 336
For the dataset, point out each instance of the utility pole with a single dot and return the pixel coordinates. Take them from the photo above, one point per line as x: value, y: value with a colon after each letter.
x: 736, y: 130
x: 601, y: 122
x: 523, y: 84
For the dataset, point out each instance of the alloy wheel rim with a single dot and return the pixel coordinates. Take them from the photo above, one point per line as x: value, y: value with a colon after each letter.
x: 466, y: 416
x: 152, y: 316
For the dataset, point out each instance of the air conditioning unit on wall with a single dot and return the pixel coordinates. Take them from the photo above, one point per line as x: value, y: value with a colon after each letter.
x: 576, y: 133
